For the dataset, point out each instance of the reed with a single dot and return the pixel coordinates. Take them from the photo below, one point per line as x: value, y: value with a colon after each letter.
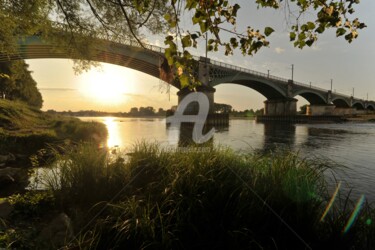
x: 212, y: 198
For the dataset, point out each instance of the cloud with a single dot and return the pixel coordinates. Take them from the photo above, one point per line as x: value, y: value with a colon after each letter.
x: 279, y: 50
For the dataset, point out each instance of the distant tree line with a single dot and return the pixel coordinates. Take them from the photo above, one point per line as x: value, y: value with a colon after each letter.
x: 16, y: 83
x: 151, y: 111
x: 225, y: 108
x: 247, y: 113
x: 134, y: 112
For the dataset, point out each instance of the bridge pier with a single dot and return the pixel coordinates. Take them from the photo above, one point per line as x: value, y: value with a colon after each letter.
x: 213, y: 119
x: 280, y: 107
x: 316, y: 110
x: 193, y: 108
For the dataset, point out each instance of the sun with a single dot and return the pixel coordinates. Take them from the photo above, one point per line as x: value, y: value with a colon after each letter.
x: 108, y: 85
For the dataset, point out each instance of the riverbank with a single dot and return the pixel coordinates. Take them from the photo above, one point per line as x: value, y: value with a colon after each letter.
x: 29, y: 136
x: 155, y: 198
x: 361, y: 118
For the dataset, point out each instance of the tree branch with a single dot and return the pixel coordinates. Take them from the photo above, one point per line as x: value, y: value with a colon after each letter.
x: 130, y: 25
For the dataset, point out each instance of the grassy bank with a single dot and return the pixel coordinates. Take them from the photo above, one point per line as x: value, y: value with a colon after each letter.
x: 25, y: 130
x: 154, y: 198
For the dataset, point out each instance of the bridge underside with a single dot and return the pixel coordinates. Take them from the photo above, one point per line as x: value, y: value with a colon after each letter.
x: 358, y: 106
x: 340, y: 103
x: 313, y: 98
x: 106, y: 56
x: 267, y: 91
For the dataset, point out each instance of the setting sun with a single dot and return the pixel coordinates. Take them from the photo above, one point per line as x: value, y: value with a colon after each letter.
x: 108, y: 85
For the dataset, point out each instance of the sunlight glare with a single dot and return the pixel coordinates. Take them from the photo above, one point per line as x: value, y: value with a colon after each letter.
x: 108, y: 85
x: 114, y: 138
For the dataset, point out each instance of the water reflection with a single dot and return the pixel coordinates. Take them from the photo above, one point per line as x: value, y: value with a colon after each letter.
x: 186, y: 136
x: 114, y: 137
x: 278, y: 135
x: 348, y: 144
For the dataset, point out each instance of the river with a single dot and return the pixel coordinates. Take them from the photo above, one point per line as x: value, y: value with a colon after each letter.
x: 351, y: 145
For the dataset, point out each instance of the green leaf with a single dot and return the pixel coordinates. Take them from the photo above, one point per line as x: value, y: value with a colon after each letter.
x: 310, y: 25
x: 203, y: 26
x: 186, y: 41
x: 194, y: 36
x: 233, y: 42
x: 292, y: 36
x: 340, y: 32
x: 304, y: 27
x: 320, y: 29
x: 302, y: 36
x: 309, y: 42
x: 187, y: 55
x: 268, y: 31
x: 184, y: 81
x: 167, y: 17
x: 169, y: 53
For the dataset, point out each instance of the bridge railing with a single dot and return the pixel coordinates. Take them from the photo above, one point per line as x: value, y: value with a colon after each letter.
x: 310, y: 86
x: 249, y: 71
x: 116, y: 39
x: 134, y: 43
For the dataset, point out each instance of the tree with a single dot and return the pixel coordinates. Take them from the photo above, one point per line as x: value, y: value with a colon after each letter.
x: 303, y: 109
x: 146, y: 111
x: 259, y: 111
x: 118, y: 19
x: 162, y: 112
x: 22, y: 18
x: 133, y: 111
x: 222, y: 108
x: 19, y: 84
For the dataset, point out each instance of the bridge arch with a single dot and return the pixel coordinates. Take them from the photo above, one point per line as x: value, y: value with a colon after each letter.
x: 358, y: 105
x: 314, y: 98
x: 370, y: 107
x: 269, y: 91
x: 139, y: 59
x: 340, y: 103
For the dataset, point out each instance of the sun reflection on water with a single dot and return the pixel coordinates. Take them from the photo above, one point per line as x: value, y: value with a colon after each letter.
x: 114, y: 138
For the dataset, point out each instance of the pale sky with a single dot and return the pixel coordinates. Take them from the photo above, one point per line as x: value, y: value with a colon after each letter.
x: 349, y: 65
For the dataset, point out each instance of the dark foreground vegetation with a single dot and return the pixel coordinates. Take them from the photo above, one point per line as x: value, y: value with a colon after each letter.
x: 25, y: 130
x: 203, y: 198
x: 27, y: 136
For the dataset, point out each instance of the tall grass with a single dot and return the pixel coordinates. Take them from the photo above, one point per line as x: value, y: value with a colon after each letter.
x: 157, y: 198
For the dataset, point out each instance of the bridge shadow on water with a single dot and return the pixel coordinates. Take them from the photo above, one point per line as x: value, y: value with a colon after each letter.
x: 185, y: 135
x: 278, y: 136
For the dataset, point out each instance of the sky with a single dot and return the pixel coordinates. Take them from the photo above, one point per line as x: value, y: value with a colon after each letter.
x: 117, y: 89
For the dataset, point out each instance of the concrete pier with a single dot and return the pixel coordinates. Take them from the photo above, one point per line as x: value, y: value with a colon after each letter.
x: 320, y: 110
x: 280, y: 107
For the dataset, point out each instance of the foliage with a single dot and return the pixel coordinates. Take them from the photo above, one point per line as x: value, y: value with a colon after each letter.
x: 77, y: 131
x: 247, y: 113
x: 31, y: 204
x: 21, y: 230
x: 21, y: 18
x: 222, y: 108
x: 84, y: 20
x: 19, y: 85
x: 155, y: 198
x: 303, y: 109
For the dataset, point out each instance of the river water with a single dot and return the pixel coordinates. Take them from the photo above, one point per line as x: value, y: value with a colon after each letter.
x: 351, y: 145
